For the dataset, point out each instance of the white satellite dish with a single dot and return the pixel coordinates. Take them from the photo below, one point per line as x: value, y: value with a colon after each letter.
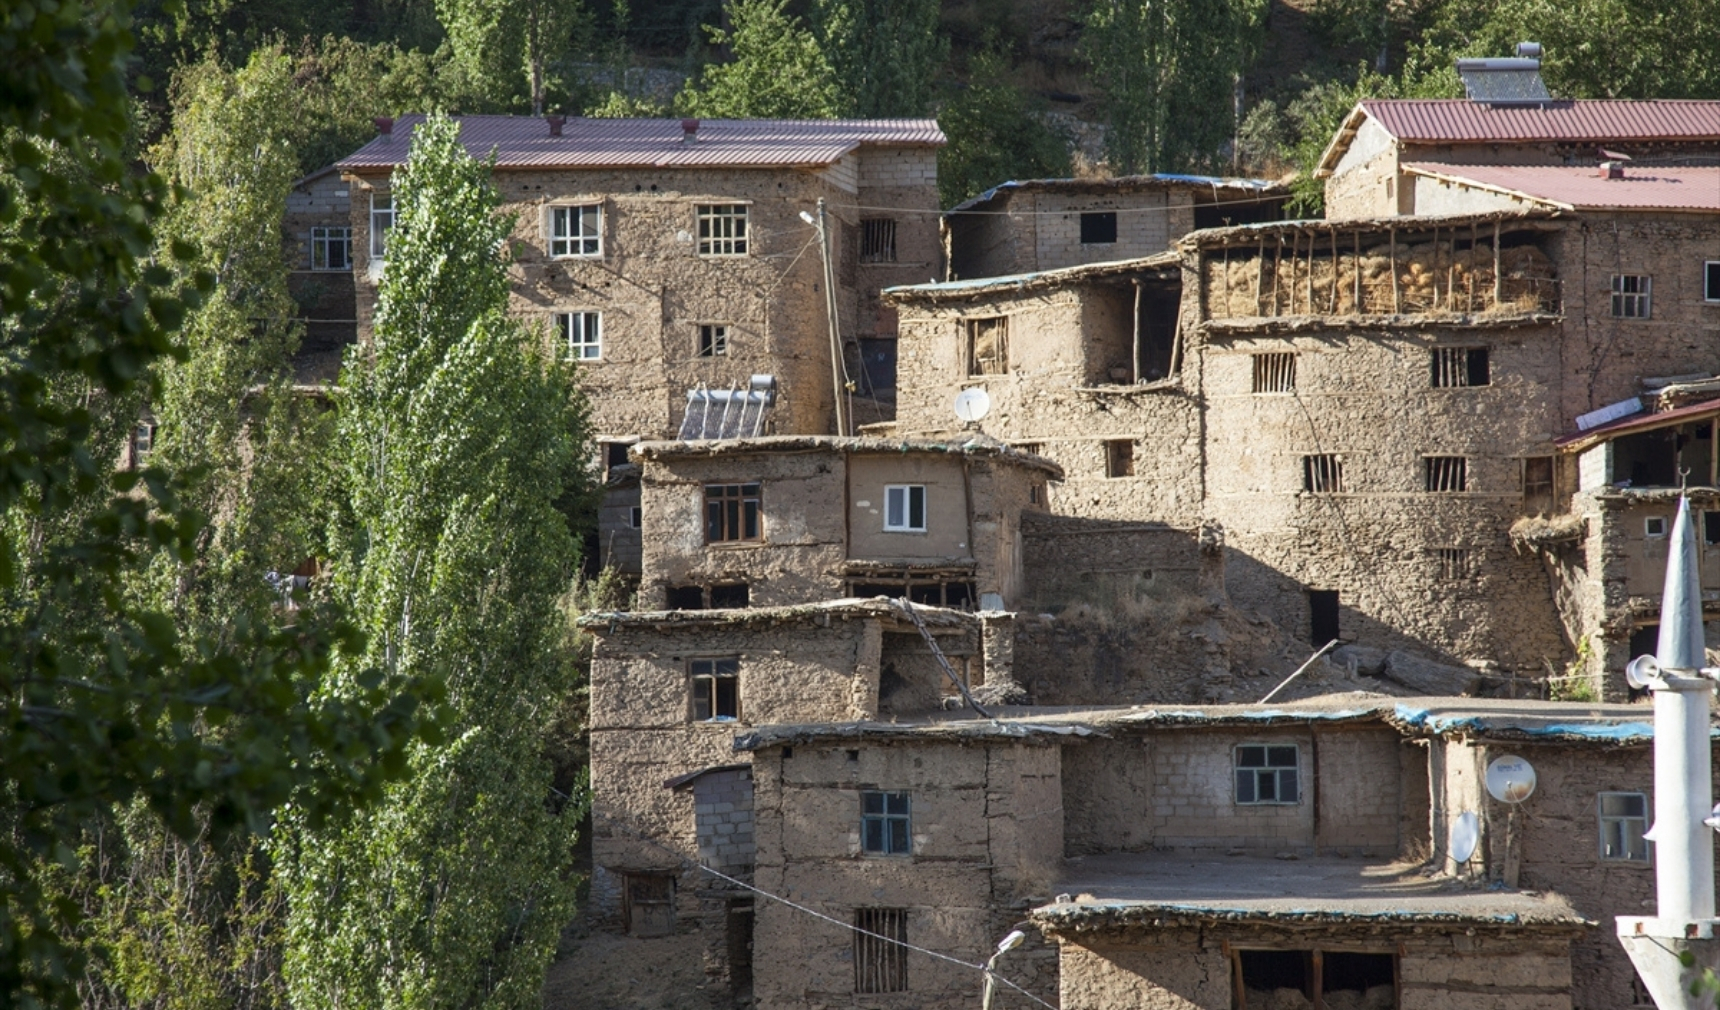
x: 972, y: 404
x: 1510, y: 779
x: 1465, y: 836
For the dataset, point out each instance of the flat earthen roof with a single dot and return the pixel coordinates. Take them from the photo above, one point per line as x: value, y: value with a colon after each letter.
x: 525, y: 142
x: 1232, y: 188
x: 1126, y: 889
x: 603, y: 621
x: 1158, y: 262
x: 1643, y: 187
x: 979, y: 445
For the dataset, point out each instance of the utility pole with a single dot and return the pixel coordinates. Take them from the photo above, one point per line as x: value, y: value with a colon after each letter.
x: 838, y: 385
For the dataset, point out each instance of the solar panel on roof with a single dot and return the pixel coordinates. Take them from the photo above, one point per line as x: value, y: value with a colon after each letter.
x: 1503, y: 82
x: 728, y: 413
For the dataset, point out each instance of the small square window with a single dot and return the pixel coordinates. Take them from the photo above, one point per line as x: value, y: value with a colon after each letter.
x: 1275, y: 373
x: 576, y: 231
x: 1711, y: 281
x: 1099, y: 227
x: 988, y: 346
x: 1445, y: 473
x: 1323, y: 474
x: 1457, y: 367
x: 583, y: 332
x: 722, y: 229
x: 713, y: 340
x: 731, y: 512
x: 884, y: 824
x: 1623, y: 820
x: 905, y: 508
x: 1711, y: 528
x: 1120, y: 457
x: 1452, y: 563
x: 716, y: 690
x: 1267, y: 775
x: 636, y: 517
x: 381, y: 220
x: 878, y: 240
x: 331, y: 248
x: 1654, y: 527
x: 730, y: 596
x: 1630, y: 295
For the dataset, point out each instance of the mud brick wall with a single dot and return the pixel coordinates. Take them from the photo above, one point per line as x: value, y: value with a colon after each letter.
x: 327, y: 300
x: 1176, y: 790
x: 986, y: 825
x: 1028, y: 230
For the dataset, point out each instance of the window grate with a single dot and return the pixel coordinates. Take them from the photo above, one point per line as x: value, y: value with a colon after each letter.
x: 1275, y: 373
x: 722, y: 229
x: 716, y: 690
x: 583, y: 332
x: 880, y: 959
x: 1458, y: 367
x: 731, y: 512
x: 1630, y: 295
x: 988, y: 346
x: 1266, y: 775
x: 1323, y: 474
x: 1446, y: 473
x: 713, y: 340
x: 884, y: 824
x: 576, y: 231
x: 878, y: 240
x: 1623, y: 820
x: 1452, y: 562
x: 331, y: 248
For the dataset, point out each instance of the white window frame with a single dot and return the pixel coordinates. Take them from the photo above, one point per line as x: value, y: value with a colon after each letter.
x: 899, y: 508
x: 1655, y: 527
x: 381, y: 222
x: 581, y: 346
x: 322, y: 237
x: 1605, y: 820
x: 1277, y: 772
x: 1638, y: 304
x: 567, y: 234
x: 724, y: 242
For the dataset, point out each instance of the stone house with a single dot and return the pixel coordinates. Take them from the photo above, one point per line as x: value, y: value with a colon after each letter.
x: 1046, y: 224
x: 317, y: 226
x: 670, y: 261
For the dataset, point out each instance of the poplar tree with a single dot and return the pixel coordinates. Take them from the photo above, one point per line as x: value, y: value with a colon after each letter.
x: 778, y: 70
x: 506, y: 46
x: 885, y: 53
x: 461, y: 444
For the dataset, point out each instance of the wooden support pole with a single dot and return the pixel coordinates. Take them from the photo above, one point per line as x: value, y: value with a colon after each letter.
x: 1357, y: 237
x: 1334, y: 309
x: 1227, y: 280
x: 1474, y: 251
x: 1310, y: 273
x: 1259, y: 275
x: 1277, y: 270
x: 1135, y: 361
x: 1498, y: 274
x: 1396, y: 309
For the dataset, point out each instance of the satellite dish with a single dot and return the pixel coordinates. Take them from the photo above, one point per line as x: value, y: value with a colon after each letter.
x: 1642, y: 672
x: 1465, y: 835
x: 1510, y: 779
x: 972, y: 404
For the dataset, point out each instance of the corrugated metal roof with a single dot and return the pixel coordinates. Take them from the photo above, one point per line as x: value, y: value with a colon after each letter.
x: 525, y: 142
x: 1636, y: 423
x: 1459, y: 120
x: 1643, y: 187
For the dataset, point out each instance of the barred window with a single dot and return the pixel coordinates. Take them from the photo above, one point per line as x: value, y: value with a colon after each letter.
x: 880, y: 959
x: 331, y: 248
x: 576, y: 231
x: 381, y: 219
x: 1275, y: 373
x: 1445, y: 473
x: 583, y: 332
x: 988, y: 346
x: 1455, y: 367
x: 1266, y: 775
x: 884, y: 826
x: 713, y: 340
x: 716, y: 689
x: 1630, y: 295
x: 722, y: 229
x: 731, y: 512
x: 1323, y: 473
x: 1452, y: 562
x: 878, y: 240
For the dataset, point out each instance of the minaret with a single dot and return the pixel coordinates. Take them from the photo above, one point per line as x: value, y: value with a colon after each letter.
x: 1683, y: 791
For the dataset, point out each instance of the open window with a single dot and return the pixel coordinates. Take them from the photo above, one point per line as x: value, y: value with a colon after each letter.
x: 988, y: 345
x: 1322, y: 616
x: 1457, y: 367
x: 716, y: 689
x: 1322, y: 978
x: 1099, y: 227
x: 1442, y: 474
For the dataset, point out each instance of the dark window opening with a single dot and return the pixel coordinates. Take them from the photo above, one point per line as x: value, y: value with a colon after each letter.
x: 716, y: 689
x: 591, y: 555
x: 880, y: 959
x: 636, y: 517
x: 988, y: 346
x: 1538, y: 483
x: 878, y: 240
x: 1445, y: 473
x: 731, y: 512
x: 1275, y: 373
x: 1264, y: 972
x: 1650, y: 459
x: 878, y: 362
x: 1322, y: 616
x: 729, y: 597
x: 958, y: 594
x: 1158, y: 328
x: 686, y: 598
x: 930, y: 595
x: 1711, y: 527
x: 737, y: 936
x: 933, y: 593
x: 1099, y: 227
x: 648, y: 904
x: 1235, y: 212
x: 614, y: 454
x: 1120, y: 457
x: 1323, y: 474
x: 1328, y: 978
x: 1456, y: 367
x: 713, y: 340
x: 1711, y: 281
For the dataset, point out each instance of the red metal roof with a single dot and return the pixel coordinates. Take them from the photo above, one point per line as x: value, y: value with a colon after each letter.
x: 1581, y: 440
x: 1644, y: 187
x: 525, y: 142
x: 1459, y: 120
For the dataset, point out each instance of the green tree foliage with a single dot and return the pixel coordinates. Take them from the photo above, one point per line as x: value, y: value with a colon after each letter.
x: 886, y: 54
x: 778, y: 70
x: 1167, y: 69
x: 462, y: 446
x: 106, y: 700
x: 507, y: 47
x: 996, y: 132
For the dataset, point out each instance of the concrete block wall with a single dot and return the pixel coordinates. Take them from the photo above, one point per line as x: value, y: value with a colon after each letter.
x: 723, y: 818
x: 1147, y: 223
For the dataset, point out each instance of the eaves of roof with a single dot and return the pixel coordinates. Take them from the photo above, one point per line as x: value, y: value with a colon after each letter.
x: 1584, y: 440
x: 1038, y: 280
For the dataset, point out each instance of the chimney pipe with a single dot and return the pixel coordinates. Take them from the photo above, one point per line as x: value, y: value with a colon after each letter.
x: 689, y: 131
x: 385, y: 126
x: 555, y: 124
x: 1611, y: 170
